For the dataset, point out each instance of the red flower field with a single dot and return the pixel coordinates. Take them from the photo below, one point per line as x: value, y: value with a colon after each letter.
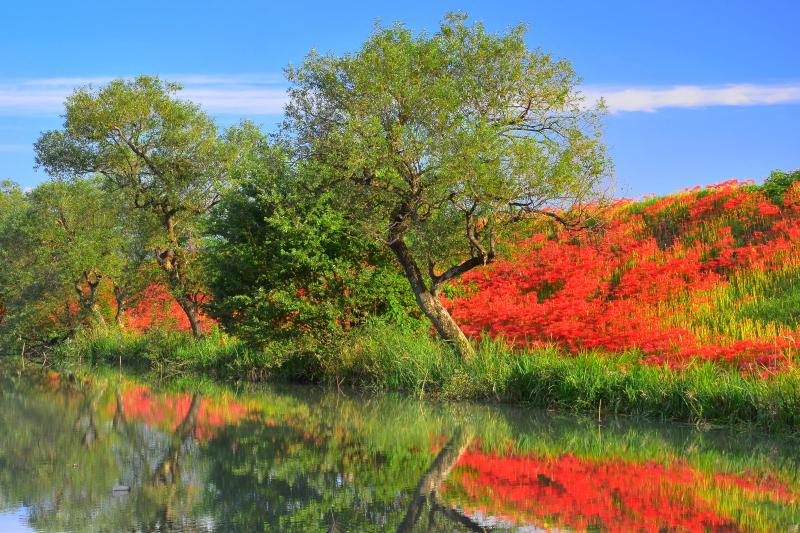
x: 693, y: 276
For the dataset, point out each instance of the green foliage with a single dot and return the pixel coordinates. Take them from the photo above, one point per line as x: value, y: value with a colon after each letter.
x: 436, y: 143
x: 164, y: 156
x: 284, y: 262
x: 778, y: 182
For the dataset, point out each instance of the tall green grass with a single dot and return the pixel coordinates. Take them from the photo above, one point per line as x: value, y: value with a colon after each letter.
x: 754, y: 304
x: 589, y: 382
x: 381, y: 357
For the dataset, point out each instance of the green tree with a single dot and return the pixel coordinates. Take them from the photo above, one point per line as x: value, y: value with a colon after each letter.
x: 437, y: 143
x: 61, y: 244
x: 12, y: 204
x: 284, y: 263
x: 163, y: 153
x: 74, y: 232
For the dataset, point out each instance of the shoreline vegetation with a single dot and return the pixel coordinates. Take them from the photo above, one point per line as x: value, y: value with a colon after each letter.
x: 383, y: 358
x: 434, y: 217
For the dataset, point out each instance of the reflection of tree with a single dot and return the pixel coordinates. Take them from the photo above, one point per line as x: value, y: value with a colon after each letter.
x: 160, y: 488
x: 51, y: 456
x: 86, y: 422
x: 426, y: 495
x: 168, y: 470
x: 308, y: 474
x: 61, y: 453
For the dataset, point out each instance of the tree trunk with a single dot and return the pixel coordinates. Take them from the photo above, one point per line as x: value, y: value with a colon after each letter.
x: 447, y: 328
x: 119, y: 297
x: 88, y: 300
x: 193, y: 314
x: 173, y: 261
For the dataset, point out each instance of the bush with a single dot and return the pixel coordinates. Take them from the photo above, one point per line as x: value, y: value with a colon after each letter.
x: 778, y: 182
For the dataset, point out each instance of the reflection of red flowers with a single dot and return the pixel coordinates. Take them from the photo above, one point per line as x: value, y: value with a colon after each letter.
x: 580, y: 494
x: 158, y: 308
x: 627, y: 285
x: 168, y: 411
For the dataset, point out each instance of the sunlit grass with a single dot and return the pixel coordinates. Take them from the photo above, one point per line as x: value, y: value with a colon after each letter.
x: 754, y: 304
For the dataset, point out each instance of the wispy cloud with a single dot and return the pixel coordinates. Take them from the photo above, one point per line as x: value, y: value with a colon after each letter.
x: 247, y: 94
x: 621, y: 99
x: 5, y: 148
x: 265, y: 94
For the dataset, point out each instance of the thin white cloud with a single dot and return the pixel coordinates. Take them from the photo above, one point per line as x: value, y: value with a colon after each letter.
x: 651, y: 99
x: 5, y: 147
x: 247, y: 94
x: 265, y: 94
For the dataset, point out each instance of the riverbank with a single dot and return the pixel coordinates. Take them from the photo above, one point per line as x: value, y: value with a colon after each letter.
x: 385, y: 358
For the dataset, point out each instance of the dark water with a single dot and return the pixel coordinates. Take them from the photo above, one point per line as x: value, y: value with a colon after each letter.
x: 301, y: 459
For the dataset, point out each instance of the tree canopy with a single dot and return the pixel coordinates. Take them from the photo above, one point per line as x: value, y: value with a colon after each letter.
x: 162, y: 153
x: 284, y: 263
x: 438, y: 142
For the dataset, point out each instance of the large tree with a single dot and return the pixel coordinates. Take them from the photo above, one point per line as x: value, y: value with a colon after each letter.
x: 436, y: 143
x: 164, y: 154
x: 12, y: 204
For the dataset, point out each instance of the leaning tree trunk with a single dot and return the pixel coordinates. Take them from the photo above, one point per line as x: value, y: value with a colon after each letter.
x: 447, y: 328
x: 192, y: 312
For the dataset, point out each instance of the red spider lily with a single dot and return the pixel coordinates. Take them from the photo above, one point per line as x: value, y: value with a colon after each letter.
x: 627, y: 285
x: 158, y: 308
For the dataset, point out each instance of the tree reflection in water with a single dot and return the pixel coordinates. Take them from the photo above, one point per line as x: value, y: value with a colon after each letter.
x: 300, y: 460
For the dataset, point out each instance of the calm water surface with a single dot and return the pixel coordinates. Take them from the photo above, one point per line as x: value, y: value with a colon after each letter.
x: 115, y: 454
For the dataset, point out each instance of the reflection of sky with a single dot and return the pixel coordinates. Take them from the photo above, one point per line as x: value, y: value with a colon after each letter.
x: 492, y: 522
x: 14, y: 521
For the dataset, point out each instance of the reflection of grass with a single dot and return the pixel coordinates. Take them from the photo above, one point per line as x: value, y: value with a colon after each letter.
x: 587, y: 382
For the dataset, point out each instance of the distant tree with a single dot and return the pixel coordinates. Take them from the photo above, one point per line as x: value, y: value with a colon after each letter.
x: 778, y: 182
x: 436, y: 143
x: 282, y: 260
x: 60, y: 246
x: 162, y: 153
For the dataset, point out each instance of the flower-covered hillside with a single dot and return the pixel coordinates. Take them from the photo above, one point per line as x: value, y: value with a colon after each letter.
x: 708, y: 274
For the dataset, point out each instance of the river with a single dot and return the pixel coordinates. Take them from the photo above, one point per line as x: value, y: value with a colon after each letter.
x: 118, y: 454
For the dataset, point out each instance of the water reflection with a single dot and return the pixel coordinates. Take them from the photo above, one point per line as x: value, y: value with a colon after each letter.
x: 302, y: 460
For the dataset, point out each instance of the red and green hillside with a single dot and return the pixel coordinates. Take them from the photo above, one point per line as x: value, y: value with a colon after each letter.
x: 709, y: 274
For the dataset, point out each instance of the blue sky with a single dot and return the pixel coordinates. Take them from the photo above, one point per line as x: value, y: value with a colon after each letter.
x: 700, y: 92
